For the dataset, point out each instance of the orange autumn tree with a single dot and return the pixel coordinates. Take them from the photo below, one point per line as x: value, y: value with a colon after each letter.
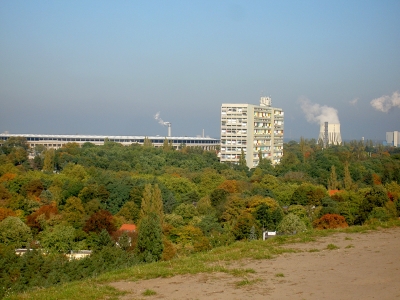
x: 45, y: 212
x: 376, y: 179
x: 100, y: 220
x: 330, y: 221
x: 6, y: 212
x: 7, y: 177
x: 231, y: 186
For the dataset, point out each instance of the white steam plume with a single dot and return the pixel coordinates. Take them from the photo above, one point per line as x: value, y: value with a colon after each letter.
x: 160, y: 121
x: 386, y: 103
x: 316, y: 113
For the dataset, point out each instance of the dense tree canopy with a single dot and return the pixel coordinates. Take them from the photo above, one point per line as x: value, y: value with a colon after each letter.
x: 185, y: 200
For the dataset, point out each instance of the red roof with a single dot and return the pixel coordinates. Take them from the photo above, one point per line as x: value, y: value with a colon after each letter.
x: 128, y: 227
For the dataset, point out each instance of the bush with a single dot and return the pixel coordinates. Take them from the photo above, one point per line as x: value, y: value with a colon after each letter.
x: 330, y: 221
x: 202, y: 244
x: 169, y: 251
x: 380, y: 214
x: 218, y: 239
x: 291, y: 224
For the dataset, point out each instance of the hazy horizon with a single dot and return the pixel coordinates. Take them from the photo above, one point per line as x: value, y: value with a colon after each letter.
x: 108, y: 68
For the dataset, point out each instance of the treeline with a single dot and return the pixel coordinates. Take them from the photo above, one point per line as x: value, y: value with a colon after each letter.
x: 182, y: 201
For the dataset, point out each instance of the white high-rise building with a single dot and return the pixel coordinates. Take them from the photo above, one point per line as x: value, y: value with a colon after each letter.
x: 254, y: 129
x: 393, y: 138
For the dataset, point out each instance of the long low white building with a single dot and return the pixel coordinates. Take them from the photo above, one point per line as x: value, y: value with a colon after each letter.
x: 57, y: 141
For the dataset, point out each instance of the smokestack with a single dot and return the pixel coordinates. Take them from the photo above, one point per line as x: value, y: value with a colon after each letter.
x: 160, y: 121
x: 169, y: 128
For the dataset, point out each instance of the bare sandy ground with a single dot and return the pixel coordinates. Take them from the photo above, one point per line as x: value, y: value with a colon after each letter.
x: 365, y: 266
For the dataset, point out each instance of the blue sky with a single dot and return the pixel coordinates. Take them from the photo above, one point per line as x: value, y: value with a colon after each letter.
x: 107, y: 67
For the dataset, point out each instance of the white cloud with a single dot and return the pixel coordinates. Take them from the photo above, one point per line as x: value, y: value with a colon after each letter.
x: 386, y: 103
x: 354, y: 101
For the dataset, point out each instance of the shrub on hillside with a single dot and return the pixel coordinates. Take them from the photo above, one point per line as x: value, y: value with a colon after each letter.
x: 169, y: 251
x: 291, y: 224
x: 330, y: 221
x: 379, y: 213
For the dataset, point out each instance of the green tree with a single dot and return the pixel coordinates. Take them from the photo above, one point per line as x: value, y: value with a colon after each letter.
x: 16, y: 149
x: 167, y: 145
x: 308, y: 194
x: 57, y: 239
x: 152, y: 201
x: 348, y: 182
x: 333, y: 183
x: 267, y: 217
x: 146, y: 201
x: 210, y: 225
x: 129, y: 211
x: 150, y: 245
x: 242, y: 161
x: 243, y: 226
x: 49, y: 162
x: 301, y: 212
x: 174, y: 220
x: 150, y: 241
x: 375, y: 197
x: 147, y: 142
x: 93, y: 206
x: 379, y: 213
x: 329, y: 206
x: 14, y: 232
x: 74, y: 213
x: 157, y: 203
x: 187, y: 211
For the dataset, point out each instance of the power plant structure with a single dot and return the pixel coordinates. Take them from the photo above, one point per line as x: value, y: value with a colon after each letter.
x: 160, y: 121
x: 169, y: 128
x: 329, y: 134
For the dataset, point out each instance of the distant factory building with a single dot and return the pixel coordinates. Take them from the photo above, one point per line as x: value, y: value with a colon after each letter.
x: 254, y: 129
x: 329, y: 134
x: 393, y: 138
x: 57, y: 141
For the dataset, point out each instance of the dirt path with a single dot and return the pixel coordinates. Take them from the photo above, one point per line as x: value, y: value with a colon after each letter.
x: 365, y: 266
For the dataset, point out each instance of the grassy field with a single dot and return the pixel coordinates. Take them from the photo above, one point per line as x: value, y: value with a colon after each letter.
x: 215, y: 260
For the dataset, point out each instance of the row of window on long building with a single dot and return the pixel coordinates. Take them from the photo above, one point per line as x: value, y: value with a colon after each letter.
x: 140, y: 141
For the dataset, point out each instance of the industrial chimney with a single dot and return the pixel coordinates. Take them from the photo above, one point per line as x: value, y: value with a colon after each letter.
x: 169, y: 128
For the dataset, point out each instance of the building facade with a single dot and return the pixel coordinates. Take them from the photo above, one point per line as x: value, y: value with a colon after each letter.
x: 57, y: 141
x: 254, y: 129
x: 393, y: 138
